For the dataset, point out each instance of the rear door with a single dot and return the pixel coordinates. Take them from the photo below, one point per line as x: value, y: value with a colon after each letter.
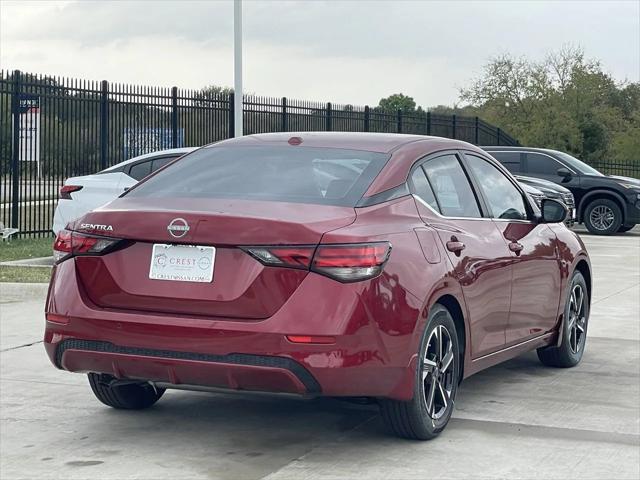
x: 474, y: 245
x: 535, y: 291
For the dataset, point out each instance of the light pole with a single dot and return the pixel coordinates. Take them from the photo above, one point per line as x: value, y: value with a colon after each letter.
x: 237, y: 61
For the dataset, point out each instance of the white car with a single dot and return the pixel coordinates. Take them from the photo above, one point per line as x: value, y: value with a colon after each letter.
x: 80, y: 195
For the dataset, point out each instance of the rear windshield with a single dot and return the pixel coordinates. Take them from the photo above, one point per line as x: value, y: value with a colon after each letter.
x: 287, y: 174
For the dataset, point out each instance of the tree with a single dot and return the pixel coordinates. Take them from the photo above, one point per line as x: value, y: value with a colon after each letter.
x: 398, y: 101
x: 565, y: 101
x: 211, y: 93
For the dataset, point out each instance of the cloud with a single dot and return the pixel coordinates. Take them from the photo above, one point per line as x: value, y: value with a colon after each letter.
x: 343, y: 51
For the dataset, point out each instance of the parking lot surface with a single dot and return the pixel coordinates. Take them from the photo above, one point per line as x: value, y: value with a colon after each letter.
x: 516, y: 420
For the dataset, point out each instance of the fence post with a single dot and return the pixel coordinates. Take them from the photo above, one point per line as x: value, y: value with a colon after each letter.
x: 428, y: 123
x: 285, y: 120
x: 453, y: 125
x: 498, y: 134
x: 104, y: 106
x: 232, y: 127
x: 366, y: 118
x: 399, y: 121
x: 15, y: 160
x: 328, y: 126
x: 477, y: 131
x: 174, y: 117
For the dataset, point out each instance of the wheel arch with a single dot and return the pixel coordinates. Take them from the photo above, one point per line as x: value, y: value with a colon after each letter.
x: 452, y: 304
x: 583, y: 267
x: 601, y: 193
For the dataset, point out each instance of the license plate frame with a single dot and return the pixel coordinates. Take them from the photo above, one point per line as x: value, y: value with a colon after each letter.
x: 182, y: 263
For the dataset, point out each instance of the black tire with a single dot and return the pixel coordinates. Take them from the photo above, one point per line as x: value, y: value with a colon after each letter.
x: 128, y: 396
x: 413, y: 419
x: 570, y: 351
x: 625, y: 228
x: 603, y: 217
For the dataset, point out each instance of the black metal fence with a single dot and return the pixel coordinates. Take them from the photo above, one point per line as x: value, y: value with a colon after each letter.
x: 617, y: 168
x: 69, y: 127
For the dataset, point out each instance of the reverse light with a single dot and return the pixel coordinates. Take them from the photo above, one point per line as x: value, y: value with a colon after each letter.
x: 68, y: 244
x: 67, y: 190
x: 351, y: 262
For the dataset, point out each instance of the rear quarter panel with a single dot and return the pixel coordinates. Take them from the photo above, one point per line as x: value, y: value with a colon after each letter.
x: 414, y: 279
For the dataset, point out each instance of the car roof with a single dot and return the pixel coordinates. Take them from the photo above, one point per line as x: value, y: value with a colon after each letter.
x: 372, y: 142
x: 521, y: 149
x: 159, y: 153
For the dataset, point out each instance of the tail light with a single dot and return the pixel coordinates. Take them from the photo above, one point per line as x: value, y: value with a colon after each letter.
x: 68, y: 244
x: 292, y: 257
x: 351, y: 263
x: 343, y: 262
x: 67, y: 190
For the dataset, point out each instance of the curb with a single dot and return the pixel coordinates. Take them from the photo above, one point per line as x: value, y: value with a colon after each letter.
x: 30, y: 262
x: 16, y: 292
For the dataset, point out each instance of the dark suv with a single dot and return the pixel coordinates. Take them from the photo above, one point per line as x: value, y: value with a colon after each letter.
x: 606, y: 204
x: 547, y: 189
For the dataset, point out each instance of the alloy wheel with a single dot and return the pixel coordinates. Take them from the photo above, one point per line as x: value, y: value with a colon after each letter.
x: 602, y: 217
x: 577, y: 319
x: 438, y: 372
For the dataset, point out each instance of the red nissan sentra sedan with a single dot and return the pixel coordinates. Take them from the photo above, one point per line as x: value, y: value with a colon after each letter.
x: 338, y: 264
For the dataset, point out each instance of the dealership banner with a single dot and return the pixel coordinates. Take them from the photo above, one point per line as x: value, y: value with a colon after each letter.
x: 138, y: 141
x: 29, y: 128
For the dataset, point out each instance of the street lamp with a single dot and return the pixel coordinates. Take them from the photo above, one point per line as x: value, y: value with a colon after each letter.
x: 237, y: 60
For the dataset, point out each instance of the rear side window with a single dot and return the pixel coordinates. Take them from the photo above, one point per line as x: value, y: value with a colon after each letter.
x: 140, y: 170
x: 422, y: 188
x: 451, y: 187
x: 539, y: 164
x: 161, y: 162
x: 511, y: 160
x: 287, y: 174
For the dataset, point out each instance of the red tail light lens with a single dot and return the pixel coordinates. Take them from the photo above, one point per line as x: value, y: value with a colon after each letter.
x: 67, y: 190
x: 352, y: 262
x: 283, y: 256
x: 68, y: 244
x: 346, y: 262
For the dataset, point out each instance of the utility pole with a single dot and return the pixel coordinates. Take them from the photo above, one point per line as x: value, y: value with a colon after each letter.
x: 237, y: 61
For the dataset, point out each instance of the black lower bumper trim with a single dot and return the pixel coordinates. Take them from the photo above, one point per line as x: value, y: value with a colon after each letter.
x: 310, y: 383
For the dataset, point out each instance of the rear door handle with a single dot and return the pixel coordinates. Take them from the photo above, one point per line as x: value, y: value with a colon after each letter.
x: 516, y: 247
x: 455, y: 246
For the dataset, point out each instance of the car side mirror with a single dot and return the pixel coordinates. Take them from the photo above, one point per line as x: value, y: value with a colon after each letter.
x: 565, y: 174
x: 553, y: 211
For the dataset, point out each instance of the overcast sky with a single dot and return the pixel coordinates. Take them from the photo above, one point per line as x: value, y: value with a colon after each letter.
x: 341, y: 51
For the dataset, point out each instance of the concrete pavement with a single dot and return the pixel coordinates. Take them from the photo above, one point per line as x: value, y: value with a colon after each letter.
x: 516, y: 420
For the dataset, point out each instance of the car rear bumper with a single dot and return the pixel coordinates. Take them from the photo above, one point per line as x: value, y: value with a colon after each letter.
x: 367, y: 358
x: 233, y: 371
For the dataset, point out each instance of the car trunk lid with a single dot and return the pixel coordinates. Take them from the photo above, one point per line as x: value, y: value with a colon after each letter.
x: 242, y: 288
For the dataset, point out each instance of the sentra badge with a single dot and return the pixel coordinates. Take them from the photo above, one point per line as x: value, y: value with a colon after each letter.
x: 93, y: 226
